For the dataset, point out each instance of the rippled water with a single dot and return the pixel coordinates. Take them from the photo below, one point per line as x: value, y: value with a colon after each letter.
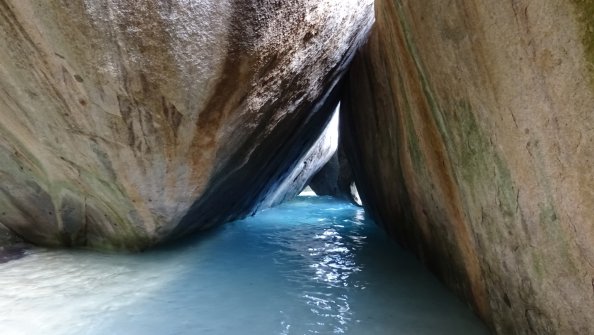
x: 312, y: 266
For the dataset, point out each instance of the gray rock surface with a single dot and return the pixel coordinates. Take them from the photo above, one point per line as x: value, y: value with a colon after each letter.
x: 314, y: 159
x: 123, y: 124
x: 335, y: 178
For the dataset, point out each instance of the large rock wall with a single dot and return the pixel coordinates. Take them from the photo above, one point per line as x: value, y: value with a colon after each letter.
x: 470, y: 126
x: 124, y: 123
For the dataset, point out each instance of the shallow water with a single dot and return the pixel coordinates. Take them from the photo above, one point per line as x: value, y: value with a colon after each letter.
x: 312, y: 266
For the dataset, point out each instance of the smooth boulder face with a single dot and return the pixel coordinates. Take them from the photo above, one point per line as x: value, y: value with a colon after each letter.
x: 471, y: 128
x: 123, y: 124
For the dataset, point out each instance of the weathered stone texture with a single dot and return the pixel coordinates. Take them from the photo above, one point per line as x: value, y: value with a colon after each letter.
x: 471, y: 128
x: 123, y: 123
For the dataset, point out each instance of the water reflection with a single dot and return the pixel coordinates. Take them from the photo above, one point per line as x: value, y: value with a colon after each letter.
x: 333, y: 260
x: 327, y: 260
x: 313, y: 266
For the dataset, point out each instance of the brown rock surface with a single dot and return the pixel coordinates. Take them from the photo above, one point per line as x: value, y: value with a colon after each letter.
x: 123, y: 123
x: 471, y: 128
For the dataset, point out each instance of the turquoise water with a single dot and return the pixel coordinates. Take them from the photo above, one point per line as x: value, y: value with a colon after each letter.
x: 312, y: 266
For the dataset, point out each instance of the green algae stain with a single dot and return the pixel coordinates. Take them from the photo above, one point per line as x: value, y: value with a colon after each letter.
x: 478, y: 165
x: 555, y: 234
x: 472, y: 147
x: 476, y: 162
x: 538, y: 265
x: 547, y: 215
x: 414, y: 147
x: 421, y: 72
x: 507, y: 193
x: 585, y: 15
x: 465, y: 142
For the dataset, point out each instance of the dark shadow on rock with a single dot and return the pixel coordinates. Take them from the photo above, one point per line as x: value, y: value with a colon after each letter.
x: 13, y: 252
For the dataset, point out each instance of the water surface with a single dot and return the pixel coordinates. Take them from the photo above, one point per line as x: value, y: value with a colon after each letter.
x: 312, y: 266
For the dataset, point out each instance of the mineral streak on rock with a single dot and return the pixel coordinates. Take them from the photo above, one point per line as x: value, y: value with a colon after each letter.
x: 123, y: 123
x: 470, y: 127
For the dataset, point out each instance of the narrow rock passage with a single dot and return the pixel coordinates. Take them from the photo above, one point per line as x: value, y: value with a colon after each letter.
x: 311, y: 266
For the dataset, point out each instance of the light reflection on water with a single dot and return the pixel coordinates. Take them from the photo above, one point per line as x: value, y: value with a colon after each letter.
x: 327, y: 259
x: 313, y: 266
